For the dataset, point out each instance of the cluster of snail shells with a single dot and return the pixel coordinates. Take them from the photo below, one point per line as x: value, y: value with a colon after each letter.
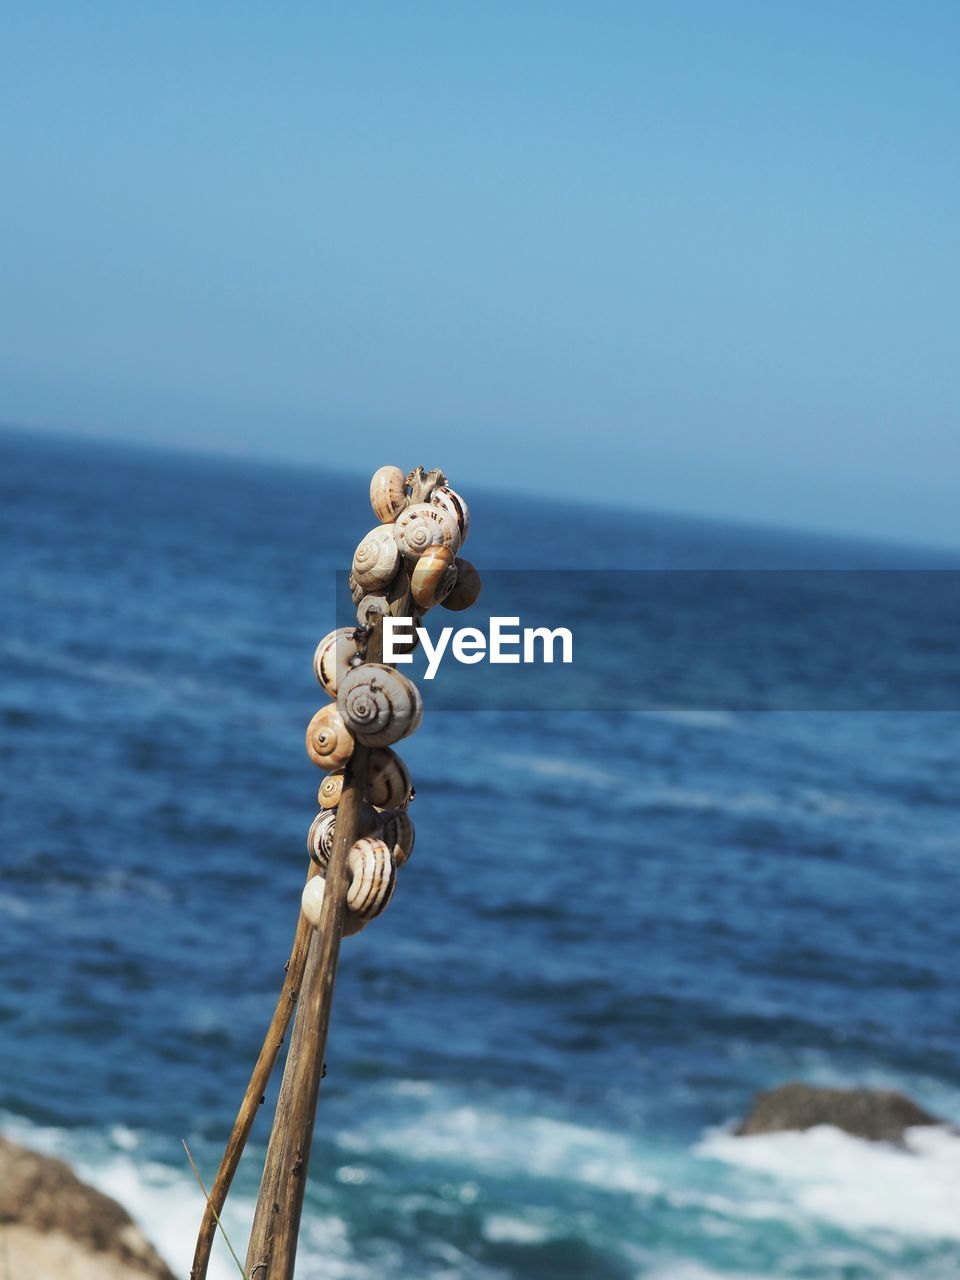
x: 373, y: 703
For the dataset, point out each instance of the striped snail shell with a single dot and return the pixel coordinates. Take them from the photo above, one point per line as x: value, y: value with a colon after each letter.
x: 467, y: 590
x: 323, y: 830
x: 449, y: 501
x: 397, y: 833
x: 388, y: 780
x: 374, y: 877
x: 329, y: 741
x: 376, y: 559
x: 378, y: 705
x: 388, y: 493
x: 423, y: 525
x: 311, y: 904
x: 331, y: 662
x: 356, y: 591
x: 328, y: 795
x: 434, y: 576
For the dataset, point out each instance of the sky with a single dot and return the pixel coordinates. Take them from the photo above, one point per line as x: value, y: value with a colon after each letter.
x: 691, y: 256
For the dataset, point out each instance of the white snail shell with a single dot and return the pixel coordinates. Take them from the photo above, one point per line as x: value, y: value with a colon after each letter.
x: 396, y: 831
x: 423, y: 525
x: 328, y: 794
x: 388, y: 493
x: 376, y: 559
x: 329, y: 741
x: 311, y: 904
x: 356, y: 591
x: 467, y: 590
x: 323, y: 830
x: 378, y: 705
x: 331, y: 662
x: 388, y: 780
x: 449, y: 501
x: 434, y: 576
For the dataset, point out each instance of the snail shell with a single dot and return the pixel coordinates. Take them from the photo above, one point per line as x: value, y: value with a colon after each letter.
x: 328, y: 796
x: 329, y: 741
x: 311, y: 904
x: 449, y: 501
x: 378, y: 705
x: 388, y: 493
x: 388, y: 780
x: 356, y: 591
x: 371, y: 608
x: 323, y: 830
x: 467, y: 590
x: 376, y: 559
x: 433, y: 577
x: 331, y: 662
x: 423, y: 525
x: 374, y: 877
x: 397, y: 833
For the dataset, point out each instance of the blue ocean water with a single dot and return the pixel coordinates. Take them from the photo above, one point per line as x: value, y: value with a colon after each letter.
x: 614, y: 929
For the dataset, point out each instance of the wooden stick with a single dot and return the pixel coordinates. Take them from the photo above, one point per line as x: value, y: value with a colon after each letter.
x: 272, y: 1249
x: 250, y: 1106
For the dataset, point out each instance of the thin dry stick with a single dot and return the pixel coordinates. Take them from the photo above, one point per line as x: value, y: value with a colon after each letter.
x: 196, y: 1173
x: 253, y: 1097
x: 272, y: 1250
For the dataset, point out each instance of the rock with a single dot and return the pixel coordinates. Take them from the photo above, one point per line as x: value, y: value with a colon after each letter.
x: 877, y: 1114
x: 55, y: 1227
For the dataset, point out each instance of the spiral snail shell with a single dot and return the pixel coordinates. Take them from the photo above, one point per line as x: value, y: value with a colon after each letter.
x: 374, y: 877
x: 331, y: 662
x: 388, y: 780
x: 356, y: 591
x: 388, y: 493
x: 434, y: 576
x: 323, y: 830
x: 378, y: 705
x: 376, y: 559
x: 397, y: 833
x: 467, y: 589
x: 449, y: 501
x: 328, y: 794
x: 421, y: 526
x: 329, y: 741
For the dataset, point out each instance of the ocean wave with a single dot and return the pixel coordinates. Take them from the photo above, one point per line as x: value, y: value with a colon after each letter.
x: 857, y: 1185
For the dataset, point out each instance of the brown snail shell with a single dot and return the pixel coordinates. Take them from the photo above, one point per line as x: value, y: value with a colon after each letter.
x: 396, y: 831
x: 434, y: 576
x: 374, y: 877
x: 331, y: 662
x: 449, y: 501
x: 328, y: 795
x: 323, y: 830
x: 422, y: 526
x: 378, y: 705
x: 329, y: 741
x: 388, y: 493
x: 467, y: 589
x: 376, y: 559
x: 388, y: 780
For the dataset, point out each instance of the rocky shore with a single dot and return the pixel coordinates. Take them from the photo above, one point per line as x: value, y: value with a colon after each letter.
x: 55, y: 1227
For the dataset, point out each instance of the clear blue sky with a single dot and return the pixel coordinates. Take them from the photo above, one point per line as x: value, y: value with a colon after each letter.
x: 699, y: 256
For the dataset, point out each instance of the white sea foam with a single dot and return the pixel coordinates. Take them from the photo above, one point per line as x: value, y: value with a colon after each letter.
x: 857, y: 1185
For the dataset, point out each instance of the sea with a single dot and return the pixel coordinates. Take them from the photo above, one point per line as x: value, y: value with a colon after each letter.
x: 616, y: 927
